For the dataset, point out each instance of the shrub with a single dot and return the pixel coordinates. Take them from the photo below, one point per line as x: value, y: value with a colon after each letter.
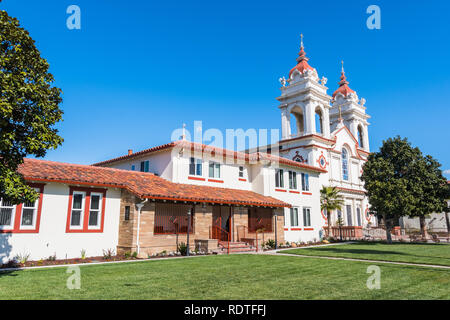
x: 134, y: 254
x: 182, y: 248
x: 108, y: 254
x: 52, y: 258
x: 83, y: 254
x: 22, y: 257
x: 127, y: 254
x: 270, y: 243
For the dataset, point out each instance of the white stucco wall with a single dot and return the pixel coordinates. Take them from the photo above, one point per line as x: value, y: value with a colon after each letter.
x: 52, y: 237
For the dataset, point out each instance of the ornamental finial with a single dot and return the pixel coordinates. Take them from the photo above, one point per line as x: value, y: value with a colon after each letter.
x: 301, y: 40
x: 342, y: 62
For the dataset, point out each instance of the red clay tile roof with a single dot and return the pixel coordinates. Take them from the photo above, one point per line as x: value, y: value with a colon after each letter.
x: 144, y: 185
x: 215, y: 151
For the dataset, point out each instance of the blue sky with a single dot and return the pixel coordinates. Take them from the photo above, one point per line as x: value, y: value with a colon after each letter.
x: 137, y: 70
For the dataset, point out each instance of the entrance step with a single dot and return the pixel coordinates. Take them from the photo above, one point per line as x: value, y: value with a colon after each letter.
x: 235, y: 247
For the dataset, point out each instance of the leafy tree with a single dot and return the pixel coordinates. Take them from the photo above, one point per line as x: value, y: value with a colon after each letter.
x: 428, y: 187
x: 385, y: 176
x: 330, y: 200
x: 29, y: 107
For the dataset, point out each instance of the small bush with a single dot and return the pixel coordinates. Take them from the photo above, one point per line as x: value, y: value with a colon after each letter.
x: 22, y: 257
x: 83, y: 254
x: 52, y: 257
x: 182, y: 248
x: 134, y: 254
x: 127, y: 254
x: 108, y: 254
x: 270, y: 243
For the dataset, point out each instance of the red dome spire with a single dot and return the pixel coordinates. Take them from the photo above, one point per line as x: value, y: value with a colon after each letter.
x: 343, y: 85
x: 302, y: 60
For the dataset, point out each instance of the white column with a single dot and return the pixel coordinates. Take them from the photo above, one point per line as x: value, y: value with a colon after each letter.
x: 326, y: 123
x: 285, y: 123
x: 366, y: 138
x: 310, y: 120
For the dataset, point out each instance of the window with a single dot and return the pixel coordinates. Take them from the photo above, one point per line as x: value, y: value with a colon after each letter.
x: 29, y: 214
x: 95, y: 210
x: 145, y: 166
x: 260, y: 218
x: 214, y: 169
x: 294, y: 217
x: 195, y: 167
x: 358, y: 216
x: 292, y: 180
x: 306, y: 217
x: 360, y: 137
x: 305, y: 182
x: 172, y: 218
x: 127, y: 213
x: 241, y: 172
x: 6, y: 214
x: 279, y: 182
x: 318, y: 120
x: 86, y: 210
x: 349, y: 215
x: 344, y: 164
x: 77, y: 209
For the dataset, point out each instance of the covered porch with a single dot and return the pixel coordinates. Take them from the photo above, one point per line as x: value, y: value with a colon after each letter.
x: 162, y: 225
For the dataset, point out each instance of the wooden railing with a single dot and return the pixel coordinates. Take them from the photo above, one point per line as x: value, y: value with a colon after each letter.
x: 216, y: 232
x: 243, y: 235
x: 346, y: 232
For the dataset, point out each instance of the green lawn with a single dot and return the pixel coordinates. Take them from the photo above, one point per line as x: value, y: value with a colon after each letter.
x: 438, y: 254
x: 230, y: 277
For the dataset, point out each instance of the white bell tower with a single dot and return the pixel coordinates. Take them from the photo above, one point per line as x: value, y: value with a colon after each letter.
x: 346, y: 106
x: 304, y: 102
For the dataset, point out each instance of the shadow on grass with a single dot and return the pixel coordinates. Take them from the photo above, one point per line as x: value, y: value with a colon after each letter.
x: 374, y: 251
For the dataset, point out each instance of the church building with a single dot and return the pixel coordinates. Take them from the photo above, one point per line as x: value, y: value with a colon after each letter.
x: 151, y: 200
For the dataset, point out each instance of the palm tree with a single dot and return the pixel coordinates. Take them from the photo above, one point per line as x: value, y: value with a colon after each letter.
x: 330, y: 200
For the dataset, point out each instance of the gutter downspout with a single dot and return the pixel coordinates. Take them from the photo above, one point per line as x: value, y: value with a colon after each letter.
x: 139, y: 207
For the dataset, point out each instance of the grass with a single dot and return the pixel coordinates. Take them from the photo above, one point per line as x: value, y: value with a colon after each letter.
x: 229, y: 277
x: 438, y: 254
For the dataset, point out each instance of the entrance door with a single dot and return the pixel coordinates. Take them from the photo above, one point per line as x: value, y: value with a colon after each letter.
x: 221, y: 222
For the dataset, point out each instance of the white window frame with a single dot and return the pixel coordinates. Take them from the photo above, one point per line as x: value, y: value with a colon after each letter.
x: 279, y: 178
x: 196, y: 162
x: 292, y: 212
x: 305, y: 181
x: 36, y: 207
x: 292, y: 175
x: 309, y: 216
x: 83, y: 203
x: 13, y: 215
x: 216, y: 166
x: 241, y: 171
x: 99, y: 210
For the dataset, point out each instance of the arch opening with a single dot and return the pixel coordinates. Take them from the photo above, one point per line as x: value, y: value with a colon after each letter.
x: 360, y: 136
x: 297, y: 122
x: 319, y: 120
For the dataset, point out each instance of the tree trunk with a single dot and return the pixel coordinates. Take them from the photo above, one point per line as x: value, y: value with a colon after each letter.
x: 329, y: 223
x: 447, y: 221
x: 387, y: 225
x: 423, y: 230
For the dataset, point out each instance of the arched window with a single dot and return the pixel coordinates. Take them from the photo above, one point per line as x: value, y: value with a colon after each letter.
x: 360, y: 136
x: 344, y: 164
x: 297, y: 122
x: 319, y: 120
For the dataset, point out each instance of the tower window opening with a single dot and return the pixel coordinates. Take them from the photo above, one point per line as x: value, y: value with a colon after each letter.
x: 319, y: 121
x: 360, y: 136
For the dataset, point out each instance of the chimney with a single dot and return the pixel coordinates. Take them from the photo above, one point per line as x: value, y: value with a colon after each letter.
x: 130, y: 152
